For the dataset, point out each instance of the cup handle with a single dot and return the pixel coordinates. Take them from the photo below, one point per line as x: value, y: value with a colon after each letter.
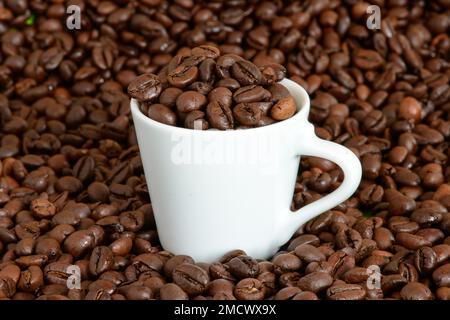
x: 311, y: 145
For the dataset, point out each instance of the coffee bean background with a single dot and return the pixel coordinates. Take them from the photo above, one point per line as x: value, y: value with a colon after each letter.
x: 72, y: 190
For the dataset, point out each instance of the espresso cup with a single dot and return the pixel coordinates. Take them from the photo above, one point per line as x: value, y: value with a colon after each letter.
x: 215, y: 191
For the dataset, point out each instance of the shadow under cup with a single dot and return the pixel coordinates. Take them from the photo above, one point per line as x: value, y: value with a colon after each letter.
x: 216, y: 191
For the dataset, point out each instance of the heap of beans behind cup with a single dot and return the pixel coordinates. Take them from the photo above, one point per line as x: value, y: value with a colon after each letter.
x: 201, y: 89
x: 71, y: 178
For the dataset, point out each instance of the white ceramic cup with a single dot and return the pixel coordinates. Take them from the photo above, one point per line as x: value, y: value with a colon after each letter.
x: 215, y: 191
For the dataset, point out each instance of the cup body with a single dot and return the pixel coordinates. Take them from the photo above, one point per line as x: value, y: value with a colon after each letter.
x: 216, y: 191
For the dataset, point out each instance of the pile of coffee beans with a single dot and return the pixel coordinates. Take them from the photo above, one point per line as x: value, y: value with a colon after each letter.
x: 72, y: 189
x: 201, y: 89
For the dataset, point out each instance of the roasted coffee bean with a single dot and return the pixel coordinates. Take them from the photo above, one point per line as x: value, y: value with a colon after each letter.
x: 372, y: 194
x: 411, y: 241
x: 30, y: 229
x: 189, y: 101
x: 425, y: 260
x: 70, y: 184
x: 148, y: 262
x: 224, y: 64
x: 383, y: 237
x: 32, y: 260
x: 162, y: 113
x: 283, y: 109
x: 43, y: 208
x: 410, y: 109
x: 249, y: 289
x: 220, y: 271
x: 132, y: 220
x: 441, y: 275
x: 7, y: 236
x: 247, y: 115
x: 229, y: 83
x: 49, y: 247
x: 287, y: 293
x: 392, y: 282
x: 289, y: 279
x: 367, y: 59
x: 207, y: 70
x: 442, y: 252
x: 315, y: 282
x: 98, y: 191
x: 191, y: 278
x: 286, y: 262
x: 346, y: 292
x: 206, y: 51
x: 154, y: 283
x: 251, y: 93
x: 268, y: 279
x: 219, y: 116
x: 202, y: 88
x: 11, y: 271
x: 57, y: 272
x: 169, y: 96
x: 303, y: 239
x: 196, y: 120
x: 138, y: 293
x: 340, y: 263
x: 398, y: 203
x: 25, y: 247
x: 305, y: 295
x: 79, y: 242
x: 146, y: 87
x: 101, y: 260
x: 121, y: 246
x: 220, y: 286
x: 171, y: 291
x: 31, y: 279
x: 416, y: 291
x: 402, y: 224
x: 182, y: 76
x: 356, y: 275
x: 243, y: 267
x: 408, y: 272
x: 348, y: 238
x: 278, y: 92
x: 309, y: 253
x: 175, y: 261
x: 246, y: 72
x: 222, y: 95
x: 426, y: 216
x: 7, y: 287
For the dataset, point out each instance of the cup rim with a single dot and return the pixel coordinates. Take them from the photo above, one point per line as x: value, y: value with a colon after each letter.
x: 301, y: 114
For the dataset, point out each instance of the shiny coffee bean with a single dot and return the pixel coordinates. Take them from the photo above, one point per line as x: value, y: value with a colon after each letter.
x: 416, y: 291
x: 249, y: 289
x: 146, y: 87
x: 243, y: 267
x: 191, y: 278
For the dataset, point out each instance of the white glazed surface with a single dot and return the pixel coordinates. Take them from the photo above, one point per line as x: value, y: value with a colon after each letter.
x: 205, y: 208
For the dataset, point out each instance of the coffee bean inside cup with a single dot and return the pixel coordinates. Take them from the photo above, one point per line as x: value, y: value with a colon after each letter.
x: 195, y: 92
